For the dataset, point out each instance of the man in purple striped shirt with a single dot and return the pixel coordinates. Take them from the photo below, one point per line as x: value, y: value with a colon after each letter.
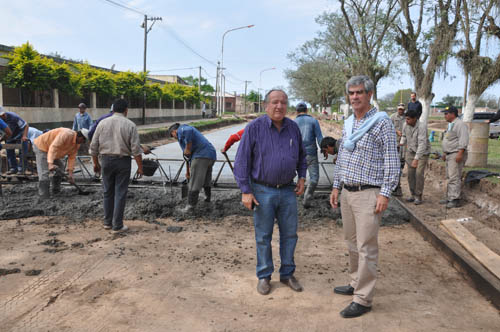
x: 269, y: 157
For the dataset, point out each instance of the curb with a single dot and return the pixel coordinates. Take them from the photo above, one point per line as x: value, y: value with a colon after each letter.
x: 483, y: 280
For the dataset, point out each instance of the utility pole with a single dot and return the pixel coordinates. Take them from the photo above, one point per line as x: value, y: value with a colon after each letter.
x: 146, y: 31
x: 217, y: 89
x: 245, y: 100
x: 199, y: 80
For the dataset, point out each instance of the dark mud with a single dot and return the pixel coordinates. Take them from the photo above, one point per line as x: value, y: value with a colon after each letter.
x: 150, y: 204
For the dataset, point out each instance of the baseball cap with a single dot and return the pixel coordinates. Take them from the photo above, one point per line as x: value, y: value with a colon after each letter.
x: 82, y: 105
x: 451, y: 109
x: 301, y: 107
x: 401, y: 105
x: 2, y: 110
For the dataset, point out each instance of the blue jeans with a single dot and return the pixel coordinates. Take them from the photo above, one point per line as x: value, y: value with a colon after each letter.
x: 313, y: 168
x: 280, y: 204
x: 115, y: 179
x: 11, y: 154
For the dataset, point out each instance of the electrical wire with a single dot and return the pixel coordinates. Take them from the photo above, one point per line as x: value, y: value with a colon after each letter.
x: 123, y: 6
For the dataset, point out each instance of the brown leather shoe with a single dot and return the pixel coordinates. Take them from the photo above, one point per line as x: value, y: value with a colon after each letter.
x: 292, y: 283
x: 264, y: 286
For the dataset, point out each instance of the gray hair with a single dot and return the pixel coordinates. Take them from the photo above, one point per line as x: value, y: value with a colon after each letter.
x: 266, y: 97
x: 358, y: 80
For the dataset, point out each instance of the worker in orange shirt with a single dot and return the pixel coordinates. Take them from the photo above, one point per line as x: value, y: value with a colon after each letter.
x: 49, y: 149
x: 233, y: 139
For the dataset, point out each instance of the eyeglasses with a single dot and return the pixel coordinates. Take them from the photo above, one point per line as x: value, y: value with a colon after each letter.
x: 358, y: 92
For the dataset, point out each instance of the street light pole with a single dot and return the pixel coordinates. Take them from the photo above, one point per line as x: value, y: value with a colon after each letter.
x: 223, y: 91
x: 260, y: 81
x: 146, y: 31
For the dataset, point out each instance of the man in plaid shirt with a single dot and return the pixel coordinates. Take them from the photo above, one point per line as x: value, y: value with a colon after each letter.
x: 368, y: 171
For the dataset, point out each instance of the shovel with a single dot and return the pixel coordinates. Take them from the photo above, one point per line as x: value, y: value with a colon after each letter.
x: 80, y: 190
x: 185, y: 183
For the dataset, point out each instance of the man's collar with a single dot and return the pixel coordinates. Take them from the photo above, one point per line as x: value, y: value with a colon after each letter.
x: 303, y: 114
x: 269, y: 122
x: 118, y: 114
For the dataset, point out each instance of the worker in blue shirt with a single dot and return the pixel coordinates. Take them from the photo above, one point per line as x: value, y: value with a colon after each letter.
x: 311, y: 138
x: 19, y: 129
x: 201, y: 153
x: 82, y: 118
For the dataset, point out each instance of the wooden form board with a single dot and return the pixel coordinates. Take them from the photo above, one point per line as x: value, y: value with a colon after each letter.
x: 476, y: 248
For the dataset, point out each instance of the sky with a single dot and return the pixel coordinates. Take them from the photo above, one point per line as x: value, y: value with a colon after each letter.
x: 189, y: 36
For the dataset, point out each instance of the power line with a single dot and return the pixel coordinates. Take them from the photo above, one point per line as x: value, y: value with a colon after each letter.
x: 176, y: 36
x: 117, y: 4
x: 174, y: 69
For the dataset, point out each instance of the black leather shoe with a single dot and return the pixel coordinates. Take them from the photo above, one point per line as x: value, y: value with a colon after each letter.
x: 344, y: 290
x: 264, y: 286
x: 410, y: 199
x: 453, y: 204
x: 443, y: 201
x: 354, y: 310
x: 292, y: 283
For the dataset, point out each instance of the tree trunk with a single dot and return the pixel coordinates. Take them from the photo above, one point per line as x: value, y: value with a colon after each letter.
x: 469, y: 107
x: 426, y: 107
x: 376, y: 104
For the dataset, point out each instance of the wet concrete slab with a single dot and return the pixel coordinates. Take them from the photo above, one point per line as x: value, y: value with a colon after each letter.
x: 218, y: 139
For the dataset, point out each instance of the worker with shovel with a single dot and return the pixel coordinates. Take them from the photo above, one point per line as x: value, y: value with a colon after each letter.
x: 200, y: 153
x: 49, y: 149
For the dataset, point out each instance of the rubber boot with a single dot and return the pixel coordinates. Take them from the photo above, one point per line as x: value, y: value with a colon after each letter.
x: 208, y: 193
x: 43, y: 189
x: 55, y: 182
x: 308, y: 196
x: 192, y: 201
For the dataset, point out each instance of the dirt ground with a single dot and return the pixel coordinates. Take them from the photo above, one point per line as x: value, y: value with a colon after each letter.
x: 199, y: 275
x: 61, y: 271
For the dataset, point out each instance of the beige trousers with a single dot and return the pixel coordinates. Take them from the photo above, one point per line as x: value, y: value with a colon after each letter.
x: 454, y: 175
x: 361, y: 225
x: 416, y: 175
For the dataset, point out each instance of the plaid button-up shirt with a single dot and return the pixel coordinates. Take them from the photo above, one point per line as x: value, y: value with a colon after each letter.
x: 374, y: 161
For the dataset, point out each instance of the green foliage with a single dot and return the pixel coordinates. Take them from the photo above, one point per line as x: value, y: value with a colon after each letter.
x: 253, y: 96
x: 29, y: 70
x: 94, y: 80
x: 401, y: 96
x: 193, y: 81
x: 451, y: 100
x: 129, y: 84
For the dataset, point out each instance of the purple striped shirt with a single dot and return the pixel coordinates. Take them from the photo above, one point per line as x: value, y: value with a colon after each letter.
x: 269, y: 156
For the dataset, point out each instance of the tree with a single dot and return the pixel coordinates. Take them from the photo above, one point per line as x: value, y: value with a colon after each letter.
x: 387, y: 101
x: 94, y: 80
x: 253, y: 96
x: 477, y: 25
x: 319, y: 79
x: 452, y: 100
x: 401, y: 96
x: 362, y: 37
x: 129, y: 84
x: 27, y: 69
x: 427, y: 46
x: 193, y: 81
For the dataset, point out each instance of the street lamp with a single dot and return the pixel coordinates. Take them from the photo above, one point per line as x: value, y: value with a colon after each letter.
x: 260, y: 80
x: 223, y: 91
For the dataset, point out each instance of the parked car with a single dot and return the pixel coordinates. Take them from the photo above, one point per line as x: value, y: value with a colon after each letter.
x: 482, y: 117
